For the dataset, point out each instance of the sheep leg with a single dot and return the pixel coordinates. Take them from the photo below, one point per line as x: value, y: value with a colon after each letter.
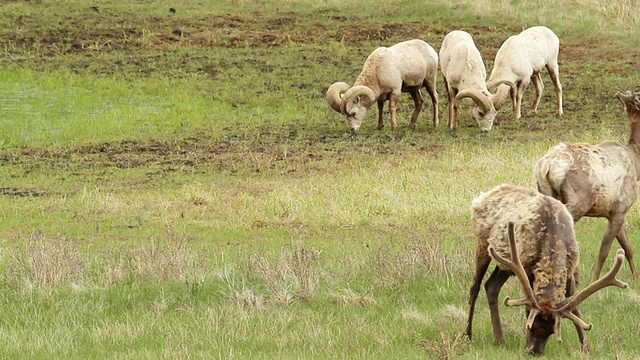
x: 522, y: 86
x: 393, y: 106
x: 380, y: 114
x: 628, y: 251
x: 513, y: 93
x: 417, y: 106
x: 615, y: 224
x: 482, y: 263
x: 492, y: 287
x: 433, y: 94
x: 536, y: 79
x: 453, y: 109
x: 450, y: 98
x: 555, y: 77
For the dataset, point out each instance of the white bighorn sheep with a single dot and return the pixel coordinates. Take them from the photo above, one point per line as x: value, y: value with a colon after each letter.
x: 388, y: 72
x: 597, y: 180
x: 520, y: 60
x: 465, y: 77
x: 531, y: 236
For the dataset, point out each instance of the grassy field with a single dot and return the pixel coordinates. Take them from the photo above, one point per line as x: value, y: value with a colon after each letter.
x: 173, y: 183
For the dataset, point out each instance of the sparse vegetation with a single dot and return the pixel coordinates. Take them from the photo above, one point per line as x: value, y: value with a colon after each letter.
x: 173, y: 183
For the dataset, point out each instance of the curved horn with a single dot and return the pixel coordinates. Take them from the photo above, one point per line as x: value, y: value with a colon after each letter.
x: 475, y: 95
x: 335, y: 95
x: 516, y: 266
x: 500, y: 97
x: 359, y: 90
x: 493, y: 84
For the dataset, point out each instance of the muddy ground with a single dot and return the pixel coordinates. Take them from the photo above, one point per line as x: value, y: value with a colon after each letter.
x: 88, y: 40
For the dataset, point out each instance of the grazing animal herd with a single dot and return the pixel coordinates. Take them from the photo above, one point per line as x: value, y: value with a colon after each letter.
x: 529, y: 233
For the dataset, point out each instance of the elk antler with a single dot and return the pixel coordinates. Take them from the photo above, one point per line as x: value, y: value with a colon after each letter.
x: 516, y: 266
x: 607, y: 280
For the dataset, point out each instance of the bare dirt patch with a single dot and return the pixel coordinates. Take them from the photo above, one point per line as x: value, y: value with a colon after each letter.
x: 142, y: 39
x: 194, y: 154
x: 19, y: 192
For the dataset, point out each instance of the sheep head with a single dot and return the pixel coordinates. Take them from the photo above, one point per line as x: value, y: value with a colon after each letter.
x: 355, y: 103
x: 350, y: 101
x: 483, y: 112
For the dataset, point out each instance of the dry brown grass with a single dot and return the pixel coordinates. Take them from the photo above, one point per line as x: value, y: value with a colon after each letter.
x: 44, y: 261
x: 624, y: 11
x: 291, y: 275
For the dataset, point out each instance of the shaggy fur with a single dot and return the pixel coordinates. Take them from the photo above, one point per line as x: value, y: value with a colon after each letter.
x: 597, y: 180
x: 546, y: 246
x: 544, y: 234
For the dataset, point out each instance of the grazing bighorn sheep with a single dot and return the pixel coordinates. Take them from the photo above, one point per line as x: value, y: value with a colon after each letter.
x: 520, y: 60
x: 597, y: 180
x: 465, y: 77
x: 388, y: 72
x: 535, y: 232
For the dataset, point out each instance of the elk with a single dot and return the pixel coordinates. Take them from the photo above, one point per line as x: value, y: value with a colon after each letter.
x: 597, y: 180
x: 531, y: 236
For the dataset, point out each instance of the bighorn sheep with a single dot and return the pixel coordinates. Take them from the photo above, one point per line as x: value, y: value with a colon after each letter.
x: 531, y: 235
x: 597, y: 180
x: 520, y: 60
x: 387, y: 72
x: 465, y: 77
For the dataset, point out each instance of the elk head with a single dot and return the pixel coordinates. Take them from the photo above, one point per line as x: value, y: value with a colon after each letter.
x: 545, y: 320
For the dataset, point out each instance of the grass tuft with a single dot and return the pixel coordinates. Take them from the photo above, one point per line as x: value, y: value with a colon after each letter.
x: 290, y: 276
x: 44, y: 261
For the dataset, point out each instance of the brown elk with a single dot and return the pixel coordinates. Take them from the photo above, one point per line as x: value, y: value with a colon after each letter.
x: 531, y: 236
x: 597, y: 180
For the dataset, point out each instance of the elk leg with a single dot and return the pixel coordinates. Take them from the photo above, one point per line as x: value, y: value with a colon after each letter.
x: 615, y: 224
x: 628, y: 251
x: 417, y: 106
x: 492, y: 287
x: 482, y: 263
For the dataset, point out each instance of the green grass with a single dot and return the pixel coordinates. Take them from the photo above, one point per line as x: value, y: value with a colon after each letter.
x: 174, y: 185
